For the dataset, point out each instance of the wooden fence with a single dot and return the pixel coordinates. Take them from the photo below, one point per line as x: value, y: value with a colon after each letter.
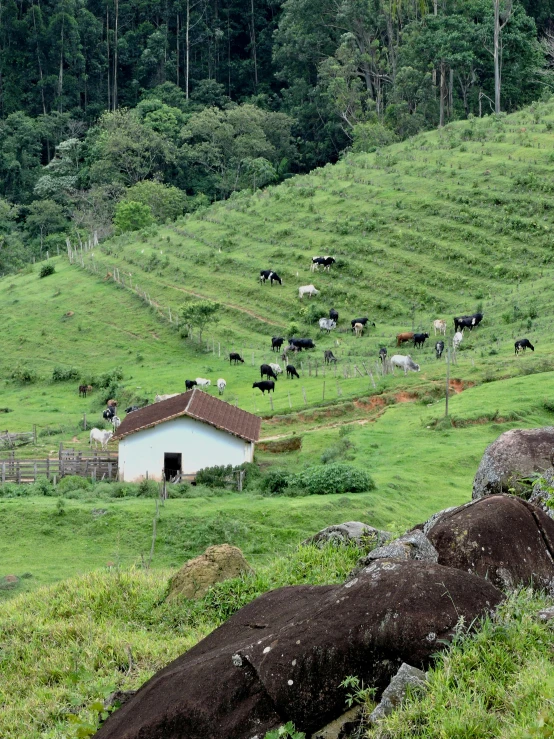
x: 69, y: 462
x: 10, y: 440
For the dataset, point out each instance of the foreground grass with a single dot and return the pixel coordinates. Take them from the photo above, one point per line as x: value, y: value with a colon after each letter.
x: 68, y: 646
x: 495, y: 683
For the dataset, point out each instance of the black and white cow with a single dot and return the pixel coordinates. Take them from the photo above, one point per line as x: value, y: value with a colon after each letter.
x: 269, y: 274
x: 109, y: 413
x: 382, y: 353
x: 363, y: 321
x: 522, y: 344
x: 324, y: 262
x: 467, y: 321
x: 439, y: 348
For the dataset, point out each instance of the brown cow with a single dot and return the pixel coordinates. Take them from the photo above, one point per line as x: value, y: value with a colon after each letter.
x: 402, y: 338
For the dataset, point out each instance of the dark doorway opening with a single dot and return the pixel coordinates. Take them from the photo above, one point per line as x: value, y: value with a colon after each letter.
x: 172, y: 465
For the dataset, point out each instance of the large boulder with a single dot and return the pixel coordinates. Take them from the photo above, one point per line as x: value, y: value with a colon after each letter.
x: 500, y: 537
x: 282, y: 657
x: 351, y: 532
x: 413, y: 545
x: 515, y: 455
x: 218, y: 563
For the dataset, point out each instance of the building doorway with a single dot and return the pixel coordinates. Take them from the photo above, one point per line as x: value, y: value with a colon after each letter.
x: 172, y: 465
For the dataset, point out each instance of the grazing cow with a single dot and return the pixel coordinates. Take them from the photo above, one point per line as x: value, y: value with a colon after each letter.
x: 457, y: 340
x: 324, y: 262
x: 358, y: 329
x: 363, y: 321
x: 235, y: 357
x: 274, y: 277
x: 202, y: 382
x: 467, y: 322
x: 264, y: 274
x: 419, y: 339
x: 159, y: 398
x: 329, y: 357
x: 308, y: 290
x: 334, y: 315
x: 269, y: 274
x: 405, y: 362
x: 264, y: 385
x: 276, y: 342
x: 440, y: 326
x: 267, y: 371
x: 189, y: 384
x: 109, y: 413
x: 83, y: 390
x: 97, y: 436
x: 291, y: 372
x: 111, y: 403
x: 300, y: 344
x: 439, y: 348
x: 522, y: 344
x: 221, y: 385
x: 382, y: 353
x: 276, y: 368
x: 402, y: 338
x: 326, y: 324
x: 132, y: 409
x: 116, y: 422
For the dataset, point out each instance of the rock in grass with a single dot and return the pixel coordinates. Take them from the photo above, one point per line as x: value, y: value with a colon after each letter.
x: 352, y: 532
x: 543, y: 493
x: 282, y: 657
x: 413, y: 545
x: 343, y: 726
x: 407, y: 676
x: 514, y: 456
x: 500, y: 537
x: 547, y: 614
x: 218, y: 563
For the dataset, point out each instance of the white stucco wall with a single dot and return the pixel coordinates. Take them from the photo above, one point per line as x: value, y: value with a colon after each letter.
x: 200, y: 444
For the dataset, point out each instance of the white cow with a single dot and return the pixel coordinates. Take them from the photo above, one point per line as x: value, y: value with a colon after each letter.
x: 158, y: 398
x: 440, y: 326
x: 276, y: 368
x: 457, y: 340
x: 221, y: 385
x: 405, y: 362
x: 358, y: 329
x: 202, y: 382
x: 116, y: 422
x: 100, y: 436
x: 327, y: 324
x: 308, y: 290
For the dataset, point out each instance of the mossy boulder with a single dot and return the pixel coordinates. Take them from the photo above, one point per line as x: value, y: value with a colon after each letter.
x: 218, y: 563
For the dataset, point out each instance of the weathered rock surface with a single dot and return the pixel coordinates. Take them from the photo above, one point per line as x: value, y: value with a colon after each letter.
x: 355, y: 532
x: 342, y: 726
x: 413, y: 545
x: 547, y: 614
x: 543, y: 492
x: 282, y: 657
x: 394, y: 694
x: 218, y: 563
x: 500, y: 537
x: 516, y: 454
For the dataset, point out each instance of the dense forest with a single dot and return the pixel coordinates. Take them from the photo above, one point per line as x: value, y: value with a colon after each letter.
x: 115, y: 114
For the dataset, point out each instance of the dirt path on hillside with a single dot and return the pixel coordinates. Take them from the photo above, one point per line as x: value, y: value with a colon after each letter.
x: 228, y: 305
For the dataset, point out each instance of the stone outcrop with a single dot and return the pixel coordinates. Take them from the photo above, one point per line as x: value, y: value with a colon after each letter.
x: 413, y: 545
x: 282, y: 657
x: 500, y: 537
x: 352, y: 532
x: 515, y: 455
x: 393, y: 695
x: 218, y: 563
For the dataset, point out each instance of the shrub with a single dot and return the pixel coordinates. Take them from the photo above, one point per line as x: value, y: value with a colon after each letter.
x: 64, y: 374
x: 147, y: 489
x: 23, y: 373
x: 72, y: 482
x: 132, y: 216
x: 42, y: 486
x: 218, y: 476
x: 109, y: 378
x: 333, y: 478
x: 275, y: 481
x: 47, y: 269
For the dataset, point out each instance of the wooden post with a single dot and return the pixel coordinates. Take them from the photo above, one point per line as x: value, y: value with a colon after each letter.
x: 447, y: 381
x: 35, y: 471
x: 270, y: 401
x: 84, y: 421
x: 304, y: 394
x: 18, y: 472
x: 372, y: 380
x: 290, y: 404
x: 110, y: 471
x: 3, y: 473
x: 323, y: 394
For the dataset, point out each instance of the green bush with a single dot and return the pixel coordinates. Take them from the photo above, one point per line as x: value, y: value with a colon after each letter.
x: 42, y: 486
x: 275, y: 481
x: 147, y: 489
x: 64, y: 374
x: 48, y: 268
x: 332, y: 478
x: 218, y: 476
x: 108, y: 378
x: 24, y: 373
x: 132, y: 216
x: 72, y: 482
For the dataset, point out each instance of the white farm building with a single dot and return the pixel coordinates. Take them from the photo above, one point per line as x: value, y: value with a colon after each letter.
x: 184, y: 434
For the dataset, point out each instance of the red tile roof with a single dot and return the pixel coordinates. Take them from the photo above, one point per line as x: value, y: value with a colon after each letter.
x: 198, y: 405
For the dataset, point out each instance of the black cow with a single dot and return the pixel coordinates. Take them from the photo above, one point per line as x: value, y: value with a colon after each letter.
x: 83, y: 390
x: 324, y: 262
x: 329, y: 356
x: 382, y: 353
x: 291, y: 372
x: 132, y: 408
x: 235, y: 357
x: 334, y: 315
x: 439, y: 348
x: 363, y: 321
x: 467, y: 321
x: 419, y: 339
x: 302, y: 344
x: 264, y: 385
x: 189, y: 384
x: 522, y: 344
x: 276, y: 342
x: 109, y: 413
x: 266, y: 370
